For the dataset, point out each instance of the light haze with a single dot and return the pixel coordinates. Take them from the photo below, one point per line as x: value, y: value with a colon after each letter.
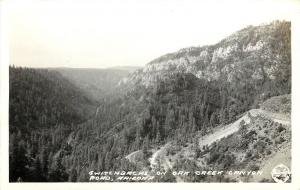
x: 108, y: 33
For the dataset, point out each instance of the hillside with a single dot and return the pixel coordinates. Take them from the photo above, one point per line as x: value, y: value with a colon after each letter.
x: 256, y: 54
x: 253, y: 142
x: 43, y: 108
x: 280, y: 104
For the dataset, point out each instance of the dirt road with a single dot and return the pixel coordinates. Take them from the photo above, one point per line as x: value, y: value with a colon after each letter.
x: 234, y: 127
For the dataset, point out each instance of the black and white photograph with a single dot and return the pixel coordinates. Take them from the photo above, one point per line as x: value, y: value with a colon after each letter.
x: 180, y: 91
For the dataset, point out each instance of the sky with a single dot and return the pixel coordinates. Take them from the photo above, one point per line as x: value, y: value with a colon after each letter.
x: 109, y: 33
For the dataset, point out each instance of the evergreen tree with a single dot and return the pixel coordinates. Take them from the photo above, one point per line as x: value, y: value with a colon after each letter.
x: 73, y: 175
x: 57, y: 173
x: 18, y: 162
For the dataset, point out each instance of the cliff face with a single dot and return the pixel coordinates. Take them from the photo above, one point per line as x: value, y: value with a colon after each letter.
x: 254, y: 53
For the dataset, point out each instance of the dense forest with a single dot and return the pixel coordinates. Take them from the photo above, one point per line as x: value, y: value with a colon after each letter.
x: 58, y: 132
x: 44, y: 109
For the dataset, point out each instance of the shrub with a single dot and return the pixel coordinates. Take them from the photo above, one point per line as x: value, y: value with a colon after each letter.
x: 248, y: 154
x: 280, y: 128
x: 213, y: 157
x: 255, y: 156
x: 254, y: 167
x: 280, y: 140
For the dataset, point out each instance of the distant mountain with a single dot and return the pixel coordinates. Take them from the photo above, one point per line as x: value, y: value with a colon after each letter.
x: 98, y: 83
x: 130, y: 69
x: 252, y: 54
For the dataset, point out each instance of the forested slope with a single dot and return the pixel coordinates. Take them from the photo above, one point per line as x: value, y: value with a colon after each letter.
x: 44, y: 107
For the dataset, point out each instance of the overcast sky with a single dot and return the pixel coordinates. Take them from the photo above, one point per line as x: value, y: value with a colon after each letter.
x: 107, y: 33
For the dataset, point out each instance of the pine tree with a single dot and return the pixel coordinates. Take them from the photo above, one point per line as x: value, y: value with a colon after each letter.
x: 37, y: 174
x: 57, y: 173
x: 73, y: 175
x: 107, y: 161
x: 18, y: 162
x: 146, y: 146
x: 158, y: 137
x: 44, y: 160
x: 137, y: 139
